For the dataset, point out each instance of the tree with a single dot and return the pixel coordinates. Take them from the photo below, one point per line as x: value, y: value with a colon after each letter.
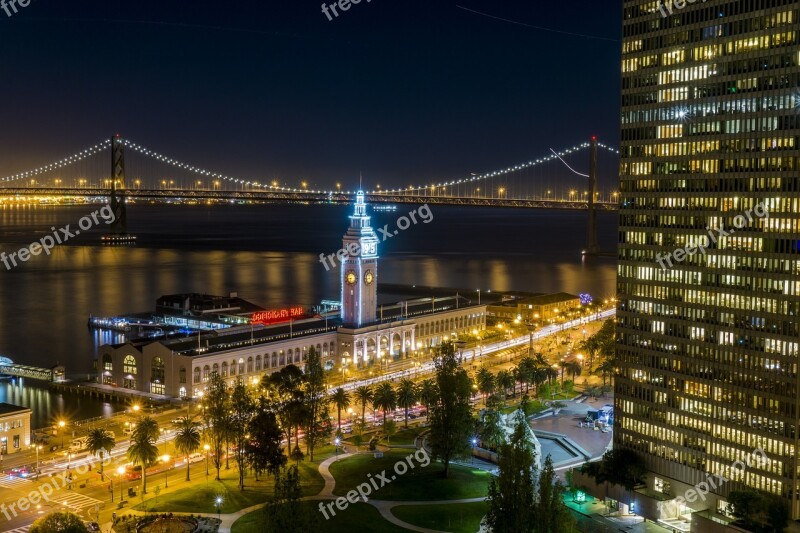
x: 364, y: 396
x: 317, y: 424
x: 512, y: 505
x: 187, y: 439
x: 283, y: 389
x: 263, y: 447
x: 552, y: 515
x: 451, y: 413
x: 217, y: 415
x: 389, y: 429
x: 505, y: 381
x: 491, y: 433
x: 285, y: 514
x: 574, y: 368
x: 385, y: 399
x: 142, y: 450
x: 606, y: 368
x: 100, y: 441
x: 427, y: 394
x: 242, y: 408
x: 341, y: 400
x: 59, y: 522
x: 758, y: 511
x: 485, y: 381
x: 406, y: 396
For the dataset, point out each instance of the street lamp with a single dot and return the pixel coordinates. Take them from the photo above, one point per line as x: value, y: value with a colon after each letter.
x: 337, y: 441
x: 61, y: 425
x: 474, y: 443
x: 206, y: 447
x: 166, y: 459
x: 120, y: 472
x: 218, y: 503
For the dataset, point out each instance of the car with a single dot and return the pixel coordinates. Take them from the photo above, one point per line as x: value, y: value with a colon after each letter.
x: 92, y: 526
x: 196, y: 457
x: 176, y: 420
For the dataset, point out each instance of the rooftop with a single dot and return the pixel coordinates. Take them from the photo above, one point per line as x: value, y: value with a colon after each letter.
x: 7, y: 408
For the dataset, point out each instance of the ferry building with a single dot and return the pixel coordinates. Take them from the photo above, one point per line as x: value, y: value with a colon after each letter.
x: 361, y: 334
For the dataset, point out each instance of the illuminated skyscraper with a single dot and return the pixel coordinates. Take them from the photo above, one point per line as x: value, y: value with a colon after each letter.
x: 709, y: 283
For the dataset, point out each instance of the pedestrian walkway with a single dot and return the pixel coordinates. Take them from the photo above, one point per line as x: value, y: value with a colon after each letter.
x: 23, y: 529
x: 74, y: 501
x: 13, y: 482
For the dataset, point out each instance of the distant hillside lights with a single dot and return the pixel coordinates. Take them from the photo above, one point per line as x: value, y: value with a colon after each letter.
x: 12, y: 4
x: 679, y: 4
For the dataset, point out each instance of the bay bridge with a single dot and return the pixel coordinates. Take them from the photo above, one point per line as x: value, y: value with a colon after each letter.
x: 583, y: 177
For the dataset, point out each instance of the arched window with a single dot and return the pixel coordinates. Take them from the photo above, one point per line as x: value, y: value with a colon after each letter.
x: 197, y: 375
x: 215, y: 369
x: 232, y: 368
x: 274, y: 360
x: 108, y: 363
x: 157, y: 374
x: 206, y: 371
x: 182, y: 378
x: 283, y: 358
x: 258, y: 362
x: 224, y: 369
x: 129, y: 365
x: 249, y: 364
x: 241, y: 365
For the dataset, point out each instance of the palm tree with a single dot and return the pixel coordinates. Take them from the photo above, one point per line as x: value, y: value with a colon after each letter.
x: 364, y: 396
x: 486, y: 383
x: 143, y: 451
x: 605, y: 368
x: 406, y: 396
x: 187, y: 439
x: 427, y: 394
x: 505, y: 380
x: 385, y: 399
x: 574, y: 368
x: 98, y: 442
x: 341, y: 399
x: 146, y: 426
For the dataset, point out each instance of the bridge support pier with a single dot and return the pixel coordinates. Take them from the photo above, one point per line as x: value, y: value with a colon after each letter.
x: 591, y: 226
x: 119, y: 228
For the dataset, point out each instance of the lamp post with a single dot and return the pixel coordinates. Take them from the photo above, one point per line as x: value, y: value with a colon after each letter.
x: 166, y: 459
x: 474, y: 443
x: 121, y: 472
x: 337, y: 441
x: 206, y: 447
x: 218, y: 503
x: 61, y: 425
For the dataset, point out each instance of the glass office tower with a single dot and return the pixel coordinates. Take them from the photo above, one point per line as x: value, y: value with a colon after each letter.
x: 709, y: 260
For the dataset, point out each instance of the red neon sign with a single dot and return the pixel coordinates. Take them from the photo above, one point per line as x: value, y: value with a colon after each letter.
x: 277, y: 315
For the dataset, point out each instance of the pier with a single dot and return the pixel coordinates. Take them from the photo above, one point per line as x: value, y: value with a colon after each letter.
x: 10, y: 368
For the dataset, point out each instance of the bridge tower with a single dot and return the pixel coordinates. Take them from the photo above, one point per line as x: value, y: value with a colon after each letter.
x: 119, y: 228
x: 591, y: 226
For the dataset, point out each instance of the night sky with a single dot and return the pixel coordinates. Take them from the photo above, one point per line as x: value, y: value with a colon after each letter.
x: 403, y: 90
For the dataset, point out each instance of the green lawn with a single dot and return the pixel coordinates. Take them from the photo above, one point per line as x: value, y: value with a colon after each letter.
x: 360, y: 517
x: 455, y: 517
x: 200, y: 497
x: 405, y: 437
x: 422, y: 484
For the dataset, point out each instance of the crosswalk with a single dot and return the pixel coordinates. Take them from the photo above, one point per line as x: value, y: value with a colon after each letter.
x: 74, y: 501
x: 12, y: 482
x: 23, y: 529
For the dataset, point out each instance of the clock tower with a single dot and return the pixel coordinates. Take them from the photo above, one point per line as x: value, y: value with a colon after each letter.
x: 359, y: 266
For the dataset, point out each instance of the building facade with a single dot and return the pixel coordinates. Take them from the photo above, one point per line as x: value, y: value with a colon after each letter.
x: 359, y: 338
x: 709, y: 265
x: 15, y: 428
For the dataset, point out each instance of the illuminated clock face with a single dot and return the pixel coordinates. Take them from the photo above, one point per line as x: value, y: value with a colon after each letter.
x: 351, y: 277
x: 369, y: 277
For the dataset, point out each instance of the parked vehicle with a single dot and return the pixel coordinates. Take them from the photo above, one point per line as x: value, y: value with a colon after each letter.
x: 78, y: 445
